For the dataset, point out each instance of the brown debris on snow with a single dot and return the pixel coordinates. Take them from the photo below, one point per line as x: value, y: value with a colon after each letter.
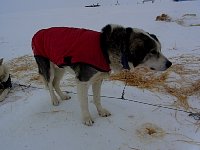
x: 163, y: 17
x: 150, y: 131
x: 186, y: 20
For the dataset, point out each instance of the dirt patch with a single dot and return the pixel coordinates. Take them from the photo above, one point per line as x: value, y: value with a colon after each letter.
x: 163, y: 17
x: 186, y: 20
x: 149, y: 131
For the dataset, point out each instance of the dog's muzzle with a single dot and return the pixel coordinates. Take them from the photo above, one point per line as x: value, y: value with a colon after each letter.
x: 7, y: 84
x: 168, y: 64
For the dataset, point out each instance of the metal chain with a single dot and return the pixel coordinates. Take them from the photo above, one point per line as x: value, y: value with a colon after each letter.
x: 123, y: 92
x: 120, y: 98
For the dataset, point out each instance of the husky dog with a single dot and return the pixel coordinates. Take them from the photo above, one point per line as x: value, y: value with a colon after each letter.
x: 5, y: 81
x: 90, y: 56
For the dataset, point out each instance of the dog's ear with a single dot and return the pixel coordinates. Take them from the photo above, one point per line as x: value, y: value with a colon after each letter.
x: 104, y: 38
x: 129, y: 31
x: 106, y: 31
x: 1, y: 61
x: 154, y: 37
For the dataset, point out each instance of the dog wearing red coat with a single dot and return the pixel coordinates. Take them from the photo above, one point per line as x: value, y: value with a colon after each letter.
x: 90, y: 56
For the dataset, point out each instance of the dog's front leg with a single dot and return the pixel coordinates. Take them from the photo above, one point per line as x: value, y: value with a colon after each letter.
x: 82, y: 90
x: 54, y: 99
x: 96, y: 87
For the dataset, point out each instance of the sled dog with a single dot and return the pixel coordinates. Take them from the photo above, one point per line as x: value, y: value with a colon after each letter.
x: 5, y: 81
x: 90, y: 56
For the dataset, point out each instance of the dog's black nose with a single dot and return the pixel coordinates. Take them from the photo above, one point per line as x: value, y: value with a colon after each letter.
x: 168, y: 64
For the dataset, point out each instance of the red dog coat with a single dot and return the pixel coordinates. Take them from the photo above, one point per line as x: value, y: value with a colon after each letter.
x: 80, y: 45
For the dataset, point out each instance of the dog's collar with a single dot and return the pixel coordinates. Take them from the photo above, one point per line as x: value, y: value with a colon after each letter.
x: 124, y: 61
x: 7, y: 84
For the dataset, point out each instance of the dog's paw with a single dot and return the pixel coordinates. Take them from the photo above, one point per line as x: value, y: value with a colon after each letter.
x: 65, y: 97
x: 104, y: 113
x: 55, y: 102
x: 88, y: 121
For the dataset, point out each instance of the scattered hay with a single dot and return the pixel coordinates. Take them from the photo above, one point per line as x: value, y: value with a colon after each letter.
x: 141, y: 77
x: 189, y: 142
x: 183, y: 93
x: 36, y: 77
x: 25, y: 62
x: 181, y: 80
x: 24, y: 70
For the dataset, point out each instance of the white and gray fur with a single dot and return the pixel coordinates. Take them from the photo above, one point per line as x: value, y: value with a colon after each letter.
x: 140, y: 48
x: 5, y: 82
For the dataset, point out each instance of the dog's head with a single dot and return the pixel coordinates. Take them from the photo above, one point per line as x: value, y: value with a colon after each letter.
x: 135, y: 46
x: 145, y: 49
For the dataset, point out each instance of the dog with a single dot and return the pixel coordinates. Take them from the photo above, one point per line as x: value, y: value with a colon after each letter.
x: 5, y: 81
x: 90, y: 56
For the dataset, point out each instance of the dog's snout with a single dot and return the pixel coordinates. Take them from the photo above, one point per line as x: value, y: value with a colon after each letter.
x: 168, y: 64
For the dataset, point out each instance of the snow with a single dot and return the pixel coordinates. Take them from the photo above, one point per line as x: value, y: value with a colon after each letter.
x: 28, y: 121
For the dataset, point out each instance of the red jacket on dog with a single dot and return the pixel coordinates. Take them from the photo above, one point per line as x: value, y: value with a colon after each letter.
x: 80, y: 45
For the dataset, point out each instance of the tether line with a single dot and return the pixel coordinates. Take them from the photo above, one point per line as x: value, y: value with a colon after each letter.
x: 123, y: 92
x: 118, y: 98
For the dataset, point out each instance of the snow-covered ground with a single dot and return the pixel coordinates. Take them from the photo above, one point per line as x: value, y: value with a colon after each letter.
x: 146, y: 120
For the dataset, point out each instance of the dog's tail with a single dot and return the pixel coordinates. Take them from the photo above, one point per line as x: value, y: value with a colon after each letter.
x: 43, y: 67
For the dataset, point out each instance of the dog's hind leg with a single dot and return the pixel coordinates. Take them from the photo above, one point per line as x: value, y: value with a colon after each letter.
x: 82, y: 90
x: 54, y: 99
x: 46, y: 70
x: 58, y: 74
x: 96, y: 87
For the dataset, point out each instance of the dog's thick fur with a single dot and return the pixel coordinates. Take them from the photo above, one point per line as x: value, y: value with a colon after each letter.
x: 5, y: 82
x: 136, y: 46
